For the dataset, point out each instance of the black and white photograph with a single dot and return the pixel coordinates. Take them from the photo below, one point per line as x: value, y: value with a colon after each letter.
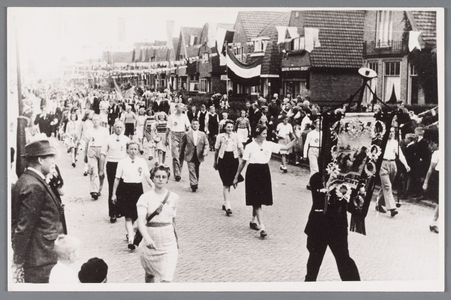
x: 225, y: 149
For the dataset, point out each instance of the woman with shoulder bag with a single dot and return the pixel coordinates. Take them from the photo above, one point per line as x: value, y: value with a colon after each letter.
x: 156, y: 223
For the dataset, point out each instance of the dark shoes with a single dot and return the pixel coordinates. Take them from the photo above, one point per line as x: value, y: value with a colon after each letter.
x: 228, y: 212
x: 393, y: 212
x: 223, y: 207
x: 380, y: 209
x: 131, y: 246
x: 113, y: 219
x: 263, y: 234
x: 433, y: 228
x: 194, y: 188
x: 95, y: 196
x: 73, y: 165
x: 177, y: 178
x: 85, y: 174
x: 254, y: 226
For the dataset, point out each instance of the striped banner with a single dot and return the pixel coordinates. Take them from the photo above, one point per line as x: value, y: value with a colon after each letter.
x: 247, y: 74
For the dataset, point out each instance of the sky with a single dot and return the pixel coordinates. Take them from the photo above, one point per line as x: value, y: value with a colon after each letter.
x: 46, y: 34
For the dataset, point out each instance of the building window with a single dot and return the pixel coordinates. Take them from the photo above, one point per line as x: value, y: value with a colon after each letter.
x: 414, y: 85
x: 392, y: 68
x: 204, y: 85
x: 413, y: 70
x: 258, y: 46
x: 373, y: 66
x: 297, y: 44
x: 384, y: 28
x: 392, y: 81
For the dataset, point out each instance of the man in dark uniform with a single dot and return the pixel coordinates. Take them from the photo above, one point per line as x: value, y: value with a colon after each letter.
x: 422, y: 159
x: 328, y: 226
x: 37, y: 216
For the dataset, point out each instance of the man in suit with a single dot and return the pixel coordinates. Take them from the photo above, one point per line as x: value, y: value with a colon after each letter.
x: 44, y: 121
x: 37, y: 216
x: 194, y: 148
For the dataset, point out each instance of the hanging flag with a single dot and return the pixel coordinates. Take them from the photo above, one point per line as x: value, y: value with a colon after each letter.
x: 311, y: 38
x: 223, y: 38
x: 169, y: 32
x: 118, y: 90
x: 246, y: 74
x: 281, y: 32
x: 293, y: 32
x: 414, y: 40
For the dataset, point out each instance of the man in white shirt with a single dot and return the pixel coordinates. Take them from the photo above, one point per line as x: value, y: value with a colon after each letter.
x: 95, y: 138
x: 113, y: 150
x: 178, y: 123
x: 387, y: 174
x: 194, y: 148
x: 311, y: 148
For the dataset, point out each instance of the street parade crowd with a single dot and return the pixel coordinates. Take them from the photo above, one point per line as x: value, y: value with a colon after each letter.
x: 128, y: 140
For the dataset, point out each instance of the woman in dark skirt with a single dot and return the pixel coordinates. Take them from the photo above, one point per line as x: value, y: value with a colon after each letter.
x: 128, y: 187
x: 258, y: 177
x: 228, y: 150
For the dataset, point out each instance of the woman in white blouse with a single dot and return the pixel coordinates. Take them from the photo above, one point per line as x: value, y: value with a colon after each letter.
x: 258, y: 177
x: 228, y: 150
x: 128, y: 187
x: 156, y: 222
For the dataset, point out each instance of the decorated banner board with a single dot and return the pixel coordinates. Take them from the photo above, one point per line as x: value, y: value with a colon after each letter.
x: 351, y: 155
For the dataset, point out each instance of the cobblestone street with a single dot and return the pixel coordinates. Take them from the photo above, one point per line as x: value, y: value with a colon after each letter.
x: 216, y: 248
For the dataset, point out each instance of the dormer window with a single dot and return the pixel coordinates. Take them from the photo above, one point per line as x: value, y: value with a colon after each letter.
x: 260, y: 44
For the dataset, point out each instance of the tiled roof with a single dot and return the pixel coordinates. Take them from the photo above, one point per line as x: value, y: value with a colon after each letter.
x: 254, y: 21
x: 272, y: 59
x: 341, y: 38
x: 426, y: 23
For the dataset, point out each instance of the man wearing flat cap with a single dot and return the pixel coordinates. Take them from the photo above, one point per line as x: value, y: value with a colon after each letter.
x: 37, y: 216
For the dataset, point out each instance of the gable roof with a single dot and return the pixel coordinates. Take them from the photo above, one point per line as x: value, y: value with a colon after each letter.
x: 341, y: 38
x: 425, y: 22
x: 255, y: 21
x: 272, y: 59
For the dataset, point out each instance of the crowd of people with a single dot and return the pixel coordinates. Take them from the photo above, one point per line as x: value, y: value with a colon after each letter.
x: 111, y: 133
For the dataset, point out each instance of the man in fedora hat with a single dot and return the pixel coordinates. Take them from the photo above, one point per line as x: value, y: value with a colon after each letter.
x: 37, y: 215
